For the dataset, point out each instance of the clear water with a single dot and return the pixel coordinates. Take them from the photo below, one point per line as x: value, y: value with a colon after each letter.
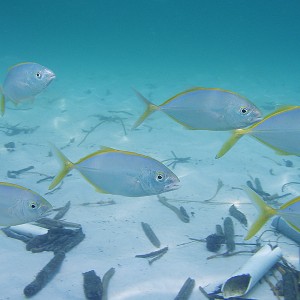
x: 99, y: 50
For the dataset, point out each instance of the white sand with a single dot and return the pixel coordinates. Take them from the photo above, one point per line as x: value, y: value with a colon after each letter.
x: 113, y: 233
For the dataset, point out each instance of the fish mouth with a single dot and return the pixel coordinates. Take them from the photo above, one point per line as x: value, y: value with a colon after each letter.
x: 172, y: 186
x: 258, y: 118
x: 46, y: 210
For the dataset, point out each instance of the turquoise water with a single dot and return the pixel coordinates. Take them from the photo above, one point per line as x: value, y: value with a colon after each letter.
x: 99, y: 50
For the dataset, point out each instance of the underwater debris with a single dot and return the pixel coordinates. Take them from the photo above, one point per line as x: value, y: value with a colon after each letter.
x: 10, y: 147
x: 105, y: 282
x: 288, y: 184
x: 176, y: 160
x: 71, y: 141
x: 62, y: 211
x: 181, y: 213
x: 155, y: 255
x: 266, y: 196
x: 257, y: 187
x: 12, y: 234
x: 15, y: 174
x: 150, y: 235
x: 287, y: 163
x: 101, y: 202
x: 229, y: 234
x: 186, y: 290
x: 288, y: 286
x: 11, y: 130
x: 92, y: 286
x: 246, y: 276
x: 220, y: 185
x: 57, y: 188
x: 46, y: 177
x: 56, y: 240
x: 234, y: 212
x: 52, y: 223
x: 214, y: 242
x: 45, y: 275
x: 120, y: 112
x: 219, y: 230
x: 103, y: 119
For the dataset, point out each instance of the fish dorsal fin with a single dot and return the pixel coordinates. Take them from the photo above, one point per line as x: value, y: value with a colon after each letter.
x: 194, y: 89
x: 105, y: 149
x: 19, y: 187
x: 19, y: 64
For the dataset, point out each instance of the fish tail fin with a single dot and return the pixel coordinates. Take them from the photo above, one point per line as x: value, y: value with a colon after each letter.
x: 66, y: 167
x: 2, y: 102
x: 149, y: 109
x: 237, y: 134
x: 265, y: 212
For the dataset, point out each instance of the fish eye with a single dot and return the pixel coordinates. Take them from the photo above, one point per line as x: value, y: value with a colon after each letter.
x: 160, y: 176
x: 33, y: 205
x: 243, y: 110
x: 38, y: 74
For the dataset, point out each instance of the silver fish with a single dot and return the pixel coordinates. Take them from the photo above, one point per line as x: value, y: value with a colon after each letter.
x: 280, y: 131
x: 24, y: 81
x: 119, y: 172
x: 19, y: 205
x: 206, y: 109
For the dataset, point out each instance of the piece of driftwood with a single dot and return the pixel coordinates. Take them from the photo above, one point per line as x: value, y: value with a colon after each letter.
x: 159, y: 253
x: 105, y: 282
x: 150, y: 235
x: 51, y: 223
x: 45, y: 275
x: 12, y: 234
x: 103, y: 119
x: 62, y: 211
x: 99, y: 203
x: 15, y: 174
x: 186, y: 290
x: 229, y: 234
x: 92, y: 286
x: 182, y: 215
x: 220, y: 185
x: 176, y: 160
x: 234, y: 212
x: 11, y: 130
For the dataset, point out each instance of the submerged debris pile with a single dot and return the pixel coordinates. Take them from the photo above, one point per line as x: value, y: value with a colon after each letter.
x: 57, y: 239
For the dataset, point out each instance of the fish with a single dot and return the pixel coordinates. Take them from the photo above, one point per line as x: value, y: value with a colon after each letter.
x: 280, y: 130
x: 23, y: 82
x: 118, y: 172
x: 289, y: 211
x: 205, y: 109
x: 19, y: 205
